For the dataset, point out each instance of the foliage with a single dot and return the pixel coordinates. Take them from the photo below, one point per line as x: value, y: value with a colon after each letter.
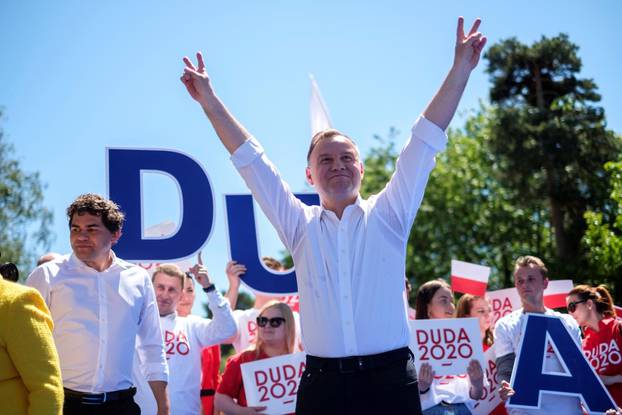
x: 604, y: 240
x: 24, y: 220
x: 551, y: 140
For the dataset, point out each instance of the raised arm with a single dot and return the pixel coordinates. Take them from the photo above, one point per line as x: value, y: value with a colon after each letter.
x: 467, y: 53
x: 234, y: 270
x: 229, y: 130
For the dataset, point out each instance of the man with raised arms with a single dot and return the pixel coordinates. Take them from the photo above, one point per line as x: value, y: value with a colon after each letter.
x: 349, y: 253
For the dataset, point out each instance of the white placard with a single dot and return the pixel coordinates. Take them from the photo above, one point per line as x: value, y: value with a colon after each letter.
x: 490, y: 400
x: 446, y: 344
x: 503, y: 302
x: 273, y: 382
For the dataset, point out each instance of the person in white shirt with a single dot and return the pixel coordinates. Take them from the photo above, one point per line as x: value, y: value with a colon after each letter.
x: 246, y: 320
x: 103, y: 309
x: 530, y: 280
x: 349, y: 253
x: 445, y: 394
x: 185, y: 337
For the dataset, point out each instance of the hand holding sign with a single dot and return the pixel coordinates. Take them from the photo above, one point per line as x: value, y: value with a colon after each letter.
x: 505, y: 391
x: 446, y: 344
x: 234, y: 271
x: 476, y: 378
x: 426, y: 377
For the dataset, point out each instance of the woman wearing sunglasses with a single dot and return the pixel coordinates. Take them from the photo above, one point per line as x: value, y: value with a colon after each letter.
x: 276, y: 335
x: 592, y: 307
x: 442, y: 395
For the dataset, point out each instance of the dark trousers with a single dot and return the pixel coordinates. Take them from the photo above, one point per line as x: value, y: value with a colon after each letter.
x: 391, y: 389
x: 125, y: 406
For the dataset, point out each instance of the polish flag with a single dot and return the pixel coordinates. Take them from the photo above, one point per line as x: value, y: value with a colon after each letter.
x: 320, y: 120
x: 555, y: 294
x: 618, y: 310
x: 469, y: 278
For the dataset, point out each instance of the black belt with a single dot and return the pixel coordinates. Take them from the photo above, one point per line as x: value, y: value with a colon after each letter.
x: 207, y: 392
x: 353, y: 364
x: 98, y: 398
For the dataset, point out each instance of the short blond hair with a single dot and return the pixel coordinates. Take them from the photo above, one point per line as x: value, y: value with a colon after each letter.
x: 171, y: 270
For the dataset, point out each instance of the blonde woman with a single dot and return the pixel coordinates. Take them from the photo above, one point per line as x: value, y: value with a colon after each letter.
x: 276, y: 335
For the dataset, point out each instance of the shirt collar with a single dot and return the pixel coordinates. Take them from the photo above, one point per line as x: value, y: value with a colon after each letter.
x: 359, y: 204
x: 75, y: 262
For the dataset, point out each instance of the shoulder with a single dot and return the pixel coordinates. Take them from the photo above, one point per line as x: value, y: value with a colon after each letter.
x: 510, y: 321
x: 49, y: 271
x: 22, y: 302
x: 567, y: 319
x: 243, y: 357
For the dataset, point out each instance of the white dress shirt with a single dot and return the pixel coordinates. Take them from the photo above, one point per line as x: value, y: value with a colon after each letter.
x: 184, y: 340
x: 350, y: 272
x: 100, y: 318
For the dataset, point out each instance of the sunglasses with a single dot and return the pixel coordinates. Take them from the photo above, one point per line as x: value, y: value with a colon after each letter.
x: 572, y: 306
x: 274, y: 321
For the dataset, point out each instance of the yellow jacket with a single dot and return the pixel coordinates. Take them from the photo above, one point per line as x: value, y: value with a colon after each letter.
x: 30, y: 379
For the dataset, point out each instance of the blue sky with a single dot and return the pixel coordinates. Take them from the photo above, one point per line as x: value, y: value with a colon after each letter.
x: 80, y: 76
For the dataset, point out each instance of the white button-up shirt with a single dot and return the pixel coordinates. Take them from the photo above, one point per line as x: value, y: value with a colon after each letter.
x: 100, y: 318
x: 350, y: 272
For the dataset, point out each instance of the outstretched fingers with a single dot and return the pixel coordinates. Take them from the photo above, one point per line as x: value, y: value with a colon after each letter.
x: 460, y: 29
x: 201, y: 67
x: 475, y: 26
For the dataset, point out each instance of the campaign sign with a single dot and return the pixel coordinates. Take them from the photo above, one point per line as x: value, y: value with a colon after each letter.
x: 273, y: 382
x: 530, y: 379
x: 491, y: 399
x: 244, y: 246
x: 503, y: 302
x: 448, y: 345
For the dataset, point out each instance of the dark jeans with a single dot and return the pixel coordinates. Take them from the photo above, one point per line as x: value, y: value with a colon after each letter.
x: 121, y: 407
x: 392, y: 389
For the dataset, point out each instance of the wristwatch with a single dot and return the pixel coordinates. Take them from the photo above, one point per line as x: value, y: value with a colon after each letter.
x: 209, y: 288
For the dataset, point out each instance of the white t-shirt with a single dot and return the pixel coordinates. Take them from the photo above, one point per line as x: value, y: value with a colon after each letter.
x: 508, y: 333
x: 184, y: 339
x: 246, y: 321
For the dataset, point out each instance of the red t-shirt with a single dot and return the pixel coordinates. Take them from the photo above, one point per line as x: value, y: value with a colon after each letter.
x: 210, y: 363
x: 231, y: 383
x: 603, y: 349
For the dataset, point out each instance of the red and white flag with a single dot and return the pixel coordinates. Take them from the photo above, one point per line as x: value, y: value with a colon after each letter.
x: 293, y: 301
x: 320, y: 120
x: 469, y: 278
x: 556, y: 293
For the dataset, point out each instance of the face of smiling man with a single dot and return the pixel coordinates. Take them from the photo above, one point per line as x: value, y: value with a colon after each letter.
x: 335, y: 171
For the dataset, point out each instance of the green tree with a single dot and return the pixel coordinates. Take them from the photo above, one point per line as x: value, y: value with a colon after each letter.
x: 550, y: 139
x: 603, y: 240
x: 24, y: 220
x: 466, y: 213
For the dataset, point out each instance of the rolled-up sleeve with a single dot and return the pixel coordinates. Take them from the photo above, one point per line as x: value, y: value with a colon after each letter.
x: 149, y: 344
